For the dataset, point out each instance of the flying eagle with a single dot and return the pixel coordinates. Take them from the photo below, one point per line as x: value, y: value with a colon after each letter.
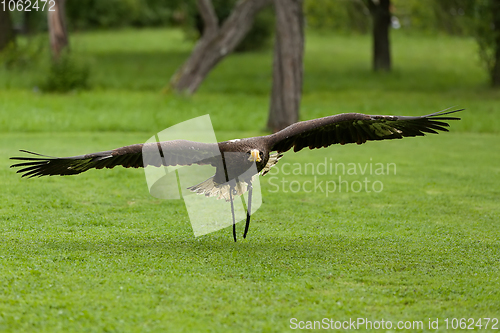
x: 236, y: 157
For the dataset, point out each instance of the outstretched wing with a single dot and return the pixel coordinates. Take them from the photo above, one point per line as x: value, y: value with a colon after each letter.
x: 177, y: 152
x: 356, y: 128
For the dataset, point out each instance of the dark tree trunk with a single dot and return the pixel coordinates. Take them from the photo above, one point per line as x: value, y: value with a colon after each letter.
x: 495, y: 71
x: 26, y: 27
x: 6, y: 31
x: 287, y: 65
x: 381, y: 17
x: 216, y: 42
x: 57, y: 29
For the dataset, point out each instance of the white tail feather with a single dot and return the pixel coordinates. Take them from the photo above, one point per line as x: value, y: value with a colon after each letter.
x: 210, y: 188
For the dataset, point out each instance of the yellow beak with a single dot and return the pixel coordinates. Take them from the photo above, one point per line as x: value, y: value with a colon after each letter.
x: 254, y: 156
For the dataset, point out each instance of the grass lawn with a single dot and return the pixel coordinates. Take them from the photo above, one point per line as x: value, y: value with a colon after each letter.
x: 96, y: 252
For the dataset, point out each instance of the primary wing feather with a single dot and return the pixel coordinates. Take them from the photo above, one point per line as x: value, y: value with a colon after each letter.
x: 168, y: 153
x: 357, y: 128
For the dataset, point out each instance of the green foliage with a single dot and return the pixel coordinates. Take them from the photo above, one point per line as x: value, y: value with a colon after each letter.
x: 340, y: 15
x: 12, y: 56
x: 88, y: 14
x: 31, y: 21
x: 447, y: 16
x: 91, y: 14
x: 104, y: 14
x: 65, y: 74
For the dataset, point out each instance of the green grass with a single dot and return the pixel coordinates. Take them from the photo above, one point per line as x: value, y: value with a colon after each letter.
x: 97, y: 253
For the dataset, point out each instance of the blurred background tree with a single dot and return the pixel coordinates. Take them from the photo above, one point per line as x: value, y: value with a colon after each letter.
x: 452, y: 17
x: 6, y: 31
x: 219, y: 39
x: 346, y: 16
x: 256, y: 39
x: 421, y: 16
x: 286, y: 91
x: 487, y: 33
x: 381, y: 23
x: 58, y: 31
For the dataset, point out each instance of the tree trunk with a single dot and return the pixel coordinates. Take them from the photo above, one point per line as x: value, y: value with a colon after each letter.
x: 381, y: 16
x: 26, y: 27
x: 6, y: 31
x: 57, y: 29
x: 495, y: 71
x: 216, y: 42
x: 287, y: 65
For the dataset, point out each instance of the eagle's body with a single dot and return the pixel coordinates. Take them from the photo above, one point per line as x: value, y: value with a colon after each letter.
x: 232, y: 159
x: 236, y: 159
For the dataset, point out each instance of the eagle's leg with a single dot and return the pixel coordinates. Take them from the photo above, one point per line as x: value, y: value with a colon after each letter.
x: 249, y: 210
x: 232, y: 211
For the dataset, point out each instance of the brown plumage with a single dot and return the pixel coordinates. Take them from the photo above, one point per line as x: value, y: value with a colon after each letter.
x: 237, y: 156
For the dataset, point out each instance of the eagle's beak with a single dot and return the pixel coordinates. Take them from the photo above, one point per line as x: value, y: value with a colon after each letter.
x: 254, y: 156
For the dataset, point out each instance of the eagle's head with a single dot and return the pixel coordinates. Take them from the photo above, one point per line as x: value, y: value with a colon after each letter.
x: 255, y: 155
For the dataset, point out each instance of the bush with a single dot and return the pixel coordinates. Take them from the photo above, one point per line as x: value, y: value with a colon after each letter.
x: 22, y: 54
x: 66, y: 74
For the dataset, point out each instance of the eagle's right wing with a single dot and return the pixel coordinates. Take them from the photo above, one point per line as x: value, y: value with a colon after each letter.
x: 356, y: 128
x: 167, y: 153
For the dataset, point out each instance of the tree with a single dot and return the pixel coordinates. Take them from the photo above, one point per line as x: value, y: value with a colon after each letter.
x: 216, y: 42
x: 57, y: 29
x: 7, y: 35
x: 487, y: 23
x: 381, y: 19
x: 287, y: 65
x: 256, y: 38
x: 495, y: 71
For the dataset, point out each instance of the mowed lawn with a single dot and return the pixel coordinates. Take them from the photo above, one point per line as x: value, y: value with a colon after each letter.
x: 96, y: 252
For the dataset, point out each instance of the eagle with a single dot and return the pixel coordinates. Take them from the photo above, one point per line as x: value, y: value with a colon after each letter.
x: 234, y: 158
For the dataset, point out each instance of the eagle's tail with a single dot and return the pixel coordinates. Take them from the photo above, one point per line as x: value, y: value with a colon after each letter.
x: 210, y: 188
